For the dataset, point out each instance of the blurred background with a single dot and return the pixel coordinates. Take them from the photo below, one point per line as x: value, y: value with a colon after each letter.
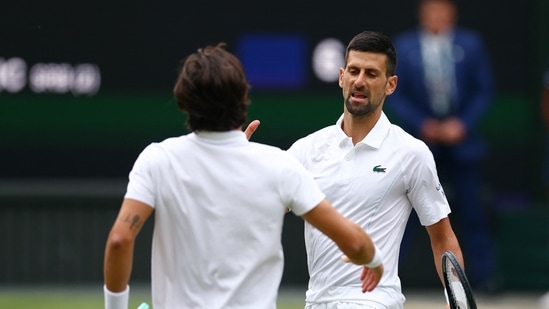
x: 85, y: 86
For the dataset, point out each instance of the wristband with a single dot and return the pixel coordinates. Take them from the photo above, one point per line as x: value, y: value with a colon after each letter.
x: 117, y: 300
x: 376, y: 260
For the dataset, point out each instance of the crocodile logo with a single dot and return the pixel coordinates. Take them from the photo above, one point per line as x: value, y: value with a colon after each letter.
x: 379, y: 169
x: 439, y: 189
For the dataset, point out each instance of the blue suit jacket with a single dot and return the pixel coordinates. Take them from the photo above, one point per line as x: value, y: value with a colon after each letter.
x: 474, y: 85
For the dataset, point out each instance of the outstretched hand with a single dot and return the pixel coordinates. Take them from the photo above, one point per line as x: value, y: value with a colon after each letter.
x: 250, y: 129
x: 370, y: 277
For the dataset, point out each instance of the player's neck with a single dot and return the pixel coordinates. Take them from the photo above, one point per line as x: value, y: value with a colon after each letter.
x: 358, y: 127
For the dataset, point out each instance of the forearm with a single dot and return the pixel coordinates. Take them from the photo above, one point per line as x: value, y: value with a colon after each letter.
x: 438, y: 249
x: 118, y: 265
x: 118, y: 259
x: 443, y: 239
x: 361, y: 251
x: 349, y: 237
x: 119, y: 251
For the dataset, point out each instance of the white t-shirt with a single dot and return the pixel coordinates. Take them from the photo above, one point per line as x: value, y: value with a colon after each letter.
x: 219, y: 206
x: 375, y: 183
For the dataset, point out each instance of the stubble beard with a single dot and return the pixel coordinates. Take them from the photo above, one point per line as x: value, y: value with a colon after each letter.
x: 360, y: 110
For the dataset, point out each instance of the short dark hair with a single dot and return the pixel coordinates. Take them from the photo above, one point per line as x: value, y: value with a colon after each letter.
x: 212, y: 89
x: 376, y: 42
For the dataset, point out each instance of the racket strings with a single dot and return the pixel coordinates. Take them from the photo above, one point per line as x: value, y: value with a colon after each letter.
x: 456, y: 287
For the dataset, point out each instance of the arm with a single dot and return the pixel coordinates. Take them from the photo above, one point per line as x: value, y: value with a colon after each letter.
x: 120, y: 243
x: 351, y: 240
x: 442, y: 239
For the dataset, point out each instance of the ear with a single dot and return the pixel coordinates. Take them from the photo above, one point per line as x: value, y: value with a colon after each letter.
x: 341, y: 71
x: 391, y: 85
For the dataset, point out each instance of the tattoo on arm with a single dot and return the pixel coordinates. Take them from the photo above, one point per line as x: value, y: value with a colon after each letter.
x: 134, y: 222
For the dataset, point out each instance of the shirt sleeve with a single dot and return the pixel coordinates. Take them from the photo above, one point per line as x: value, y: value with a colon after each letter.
x: 300, y: 192
x: 424, y: 188
x: 141, y: 178
x: 296, y: 150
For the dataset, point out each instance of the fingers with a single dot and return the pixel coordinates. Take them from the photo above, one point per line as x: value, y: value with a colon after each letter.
x: 370, y: 278
x: 250, y: 129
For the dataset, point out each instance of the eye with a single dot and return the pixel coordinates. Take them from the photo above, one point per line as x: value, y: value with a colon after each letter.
x: 352, y: 71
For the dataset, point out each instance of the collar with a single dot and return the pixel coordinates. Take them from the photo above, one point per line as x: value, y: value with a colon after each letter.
x: 446, y: 36
x: 374, y: 138
x: 222, y: 137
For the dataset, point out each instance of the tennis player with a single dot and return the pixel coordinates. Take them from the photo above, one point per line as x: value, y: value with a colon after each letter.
x: 375, y: 174
x: 219, y: 203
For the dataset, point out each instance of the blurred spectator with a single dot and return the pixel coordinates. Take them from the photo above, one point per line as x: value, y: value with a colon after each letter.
x: 445, y: 86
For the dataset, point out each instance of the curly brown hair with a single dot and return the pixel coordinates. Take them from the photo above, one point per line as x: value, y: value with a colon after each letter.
x: 212, y: 89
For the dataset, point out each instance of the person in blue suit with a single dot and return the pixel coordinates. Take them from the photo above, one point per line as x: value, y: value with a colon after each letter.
x: 445, y: 87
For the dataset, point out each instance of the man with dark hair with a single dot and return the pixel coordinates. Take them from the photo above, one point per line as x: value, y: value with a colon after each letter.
x: 375, y: 173
x: 219, y: 203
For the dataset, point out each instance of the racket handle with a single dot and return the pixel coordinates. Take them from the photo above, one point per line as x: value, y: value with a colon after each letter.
x: 143, y: 306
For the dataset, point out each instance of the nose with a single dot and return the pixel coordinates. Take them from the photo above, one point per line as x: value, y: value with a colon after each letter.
x: 359, y: 81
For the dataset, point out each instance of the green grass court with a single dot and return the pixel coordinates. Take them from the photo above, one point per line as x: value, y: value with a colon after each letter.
x: 91, y: 297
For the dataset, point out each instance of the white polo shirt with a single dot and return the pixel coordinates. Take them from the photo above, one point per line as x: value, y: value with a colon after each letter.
x: 220, y: 203
x: 375, y: 183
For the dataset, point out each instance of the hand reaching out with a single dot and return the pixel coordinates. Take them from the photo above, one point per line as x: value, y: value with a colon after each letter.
x: 250, y: 129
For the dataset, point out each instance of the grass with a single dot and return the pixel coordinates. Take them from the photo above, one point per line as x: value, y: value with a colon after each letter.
x: 92, y: 298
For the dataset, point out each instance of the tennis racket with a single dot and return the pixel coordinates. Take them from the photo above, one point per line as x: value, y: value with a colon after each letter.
x: 460, y: 294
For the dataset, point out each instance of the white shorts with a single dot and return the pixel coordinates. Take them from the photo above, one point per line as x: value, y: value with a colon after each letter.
x: 348, y: 305
x: 350, y: 297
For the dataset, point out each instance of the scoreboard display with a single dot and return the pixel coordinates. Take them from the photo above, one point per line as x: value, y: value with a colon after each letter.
x: 84, y: 86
